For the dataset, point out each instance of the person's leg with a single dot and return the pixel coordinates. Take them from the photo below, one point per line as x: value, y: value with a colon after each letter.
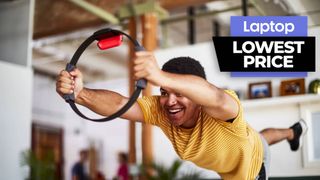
x: 266, y: 161
x: 273, y: 135
x: 293, y: 135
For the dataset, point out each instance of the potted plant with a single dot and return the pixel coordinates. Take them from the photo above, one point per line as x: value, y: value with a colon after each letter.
x: 43, y: 168
x: 161, y: 172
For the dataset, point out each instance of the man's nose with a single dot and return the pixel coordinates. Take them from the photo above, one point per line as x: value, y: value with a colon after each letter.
x: 172, y: 100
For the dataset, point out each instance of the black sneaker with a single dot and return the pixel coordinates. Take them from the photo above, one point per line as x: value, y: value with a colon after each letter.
x: 299, y: 129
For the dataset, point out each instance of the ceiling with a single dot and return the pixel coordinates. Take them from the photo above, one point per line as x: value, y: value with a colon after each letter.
x: 60, y: 26
x: 61, y: 16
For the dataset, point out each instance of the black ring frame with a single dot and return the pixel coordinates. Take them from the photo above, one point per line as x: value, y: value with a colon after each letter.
x: 99, y: 35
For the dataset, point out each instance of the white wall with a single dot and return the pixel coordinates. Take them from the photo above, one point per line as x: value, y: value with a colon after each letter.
x: 16, y: 19
x: 16, y: 86
x: 15, y: 119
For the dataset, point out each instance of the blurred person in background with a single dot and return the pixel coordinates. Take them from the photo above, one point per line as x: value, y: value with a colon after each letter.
x: 123, y: 168
x: 80, y: 169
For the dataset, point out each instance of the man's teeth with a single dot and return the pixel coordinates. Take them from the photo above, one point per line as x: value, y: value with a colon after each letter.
x: 174, y: 110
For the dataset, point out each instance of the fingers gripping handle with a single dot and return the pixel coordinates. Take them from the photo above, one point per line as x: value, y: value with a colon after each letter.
x: 70, y: 67
x: 139, y: 48
x: 141, y: 83
x: 69, y: 97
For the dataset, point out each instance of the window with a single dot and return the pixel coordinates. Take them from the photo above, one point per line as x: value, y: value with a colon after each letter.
x: 310, y: 112
x: 316, y: 135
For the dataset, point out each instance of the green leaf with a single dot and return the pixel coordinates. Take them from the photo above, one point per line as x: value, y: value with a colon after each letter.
x: 168, y: 173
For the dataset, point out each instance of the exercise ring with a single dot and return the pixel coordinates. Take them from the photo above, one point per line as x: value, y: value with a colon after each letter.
x: 107, y: 38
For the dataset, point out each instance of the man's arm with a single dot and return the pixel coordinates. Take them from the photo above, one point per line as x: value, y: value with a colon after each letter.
x: 215, y: 101
x: 106, y: 102
x: 103, y: 102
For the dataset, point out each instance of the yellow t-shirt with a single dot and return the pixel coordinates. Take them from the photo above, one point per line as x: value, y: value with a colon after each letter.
x: 233, y: 150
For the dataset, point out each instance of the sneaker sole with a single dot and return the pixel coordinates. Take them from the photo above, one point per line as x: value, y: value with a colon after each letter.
x: 304, y: 131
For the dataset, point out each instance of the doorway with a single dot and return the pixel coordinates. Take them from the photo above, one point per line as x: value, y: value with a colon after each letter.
x: 49, y: 140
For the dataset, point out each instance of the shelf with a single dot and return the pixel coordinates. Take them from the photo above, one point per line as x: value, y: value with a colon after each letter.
x: 281, y: 100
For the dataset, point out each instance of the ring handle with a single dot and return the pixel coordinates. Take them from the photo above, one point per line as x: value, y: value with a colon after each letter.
x: 141, y: 83
x: 69, y: 97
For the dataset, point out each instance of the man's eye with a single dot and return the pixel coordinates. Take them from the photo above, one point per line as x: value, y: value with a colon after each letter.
x: 164, y: 93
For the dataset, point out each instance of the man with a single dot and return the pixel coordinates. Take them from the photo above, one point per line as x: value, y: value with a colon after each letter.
x: 79, y: 171
x: 204, y: 123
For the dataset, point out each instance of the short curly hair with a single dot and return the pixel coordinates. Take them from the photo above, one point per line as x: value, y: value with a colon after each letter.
x: 184, y: 65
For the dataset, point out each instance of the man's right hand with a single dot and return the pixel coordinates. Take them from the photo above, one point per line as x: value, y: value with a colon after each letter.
x: 68, y: 83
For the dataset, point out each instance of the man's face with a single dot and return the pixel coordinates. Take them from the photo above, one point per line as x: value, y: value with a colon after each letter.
x: 180, y: 110
x: 84, y: 156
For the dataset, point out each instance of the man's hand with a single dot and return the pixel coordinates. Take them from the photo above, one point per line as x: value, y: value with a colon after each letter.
x: 145, y: 66
x: 68, y: 83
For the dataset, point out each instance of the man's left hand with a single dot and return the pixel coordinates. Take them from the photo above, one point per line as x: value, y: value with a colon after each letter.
x: 145, y: 66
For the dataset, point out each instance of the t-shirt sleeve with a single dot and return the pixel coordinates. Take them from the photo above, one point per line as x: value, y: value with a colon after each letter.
x: 151, y: 109
x: 238, y: 122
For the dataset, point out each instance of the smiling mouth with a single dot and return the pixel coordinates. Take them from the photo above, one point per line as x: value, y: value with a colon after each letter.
x: 174, y: 111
